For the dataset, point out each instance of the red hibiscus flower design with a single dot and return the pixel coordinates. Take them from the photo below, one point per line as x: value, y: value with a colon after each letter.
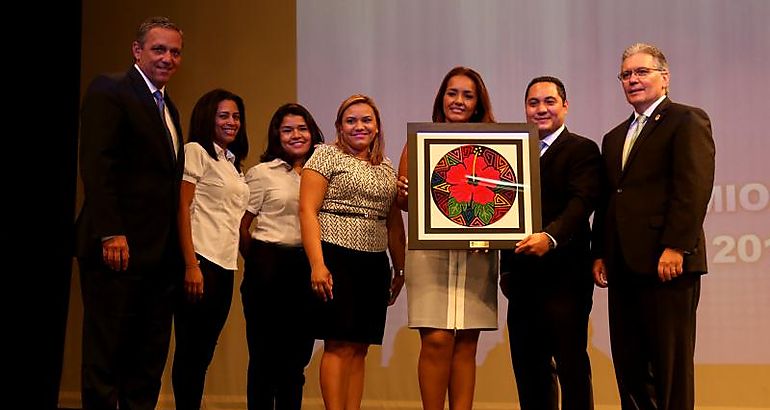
x: 464, y: 189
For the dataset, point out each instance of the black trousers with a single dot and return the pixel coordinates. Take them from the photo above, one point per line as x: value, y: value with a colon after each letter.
x: 548, y: 334
x: 126, y: 333
x: 652, y: 334
x: 276, y: 298
x: 197, y: 326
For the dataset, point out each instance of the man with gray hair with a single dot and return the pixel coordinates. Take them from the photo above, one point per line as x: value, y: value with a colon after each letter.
x: 648, y: 239
x: 127, y: 242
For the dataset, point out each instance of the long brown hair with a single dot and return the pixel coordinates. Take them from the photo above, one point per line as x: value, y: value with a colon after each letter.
x: 483, y: 112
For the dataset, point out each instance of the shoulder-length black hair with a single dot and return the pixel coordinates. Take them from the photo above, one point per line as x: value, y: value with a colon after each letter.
x: 203, y: 122
x: 274, y: 149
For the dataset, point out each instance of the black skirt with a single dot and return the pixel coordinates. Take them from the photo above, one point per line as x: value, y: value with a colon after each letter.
x: 361, y: 288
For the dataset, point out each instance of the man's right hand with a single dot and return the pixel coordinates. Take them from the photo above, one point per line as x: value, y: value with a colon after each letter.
x: 600, y: 273
x: 115, y: 252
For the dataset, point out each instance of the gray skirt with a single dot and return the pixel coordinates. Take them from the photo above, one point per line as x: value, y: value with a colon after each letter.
x: 452, y: 289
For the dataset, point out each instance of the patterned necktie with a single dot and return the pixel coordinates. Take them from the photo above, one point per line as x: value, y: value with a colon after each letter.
x: 543, y: 146
x: 631, y: 139
x: 162, y: 110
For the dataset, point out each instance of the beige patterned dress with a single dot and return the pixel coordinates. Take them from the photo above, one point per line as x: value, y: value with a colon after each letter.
x: 354, y: 239
x: 357, y: 200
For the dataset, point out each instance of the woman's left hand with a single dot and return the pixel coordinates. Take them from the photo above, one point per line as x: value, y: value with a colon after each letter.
x: 403, y: 187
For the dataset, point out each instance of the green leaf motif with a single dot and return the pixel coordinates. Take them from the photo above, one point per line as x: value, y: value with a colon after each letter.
x: 455, y: 208
x: 484, y: 212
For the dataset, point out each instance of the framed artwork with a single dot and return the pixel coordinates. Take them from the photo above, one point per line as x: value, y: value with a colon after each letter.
x: 472, y: 185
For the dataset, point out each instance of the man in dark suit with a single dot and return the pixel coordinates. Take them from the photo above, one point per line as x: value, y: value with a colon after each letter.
x: 131, y: 164
x: 547, y: 278
x: 648, y: 235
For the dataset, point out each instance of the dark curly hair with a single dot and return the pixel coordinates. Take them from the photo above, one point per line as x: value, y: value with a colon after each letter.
x: 202, y: 124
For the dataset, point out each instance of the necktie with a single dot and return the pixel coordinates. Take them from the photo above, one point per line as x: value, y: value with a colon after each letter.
x: 543, y: 146
x: 631, y: 139
x: 162, y: 110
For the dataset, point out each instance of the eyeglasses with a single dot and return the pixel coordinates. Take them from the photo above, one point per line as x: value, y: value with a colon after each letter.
x: 641, y: 72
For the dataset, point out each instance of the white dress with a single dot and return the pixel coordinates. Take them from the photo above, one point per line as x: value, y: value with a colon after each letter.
x: 452, y: 289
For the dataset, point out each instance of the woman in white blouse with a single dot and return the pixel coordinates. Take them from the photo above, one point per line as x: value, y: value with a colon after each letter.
x: 276, y: 290
x: 213, y: 197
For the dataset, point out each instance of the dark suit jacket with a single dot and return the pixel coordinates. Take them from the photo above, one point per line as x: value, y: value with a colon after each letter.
x: 130, y: 177
x: 569, y: 189
x: 659, y: 200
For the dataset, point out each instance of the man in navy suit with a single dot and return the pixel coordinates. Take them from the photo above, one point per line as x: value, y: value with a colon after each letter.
x: 131, y: 165
x: 547, y: 278
x: 649, y: 243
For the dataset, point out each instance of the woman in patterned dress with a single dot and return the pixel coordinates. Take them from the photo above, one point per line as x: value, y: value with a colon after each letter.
x: 452, y: 294
x: 349, y: 218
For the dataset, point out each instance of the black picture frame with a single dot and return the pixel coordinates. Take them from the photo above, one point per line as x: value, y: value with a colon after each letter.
x: 441, y: 215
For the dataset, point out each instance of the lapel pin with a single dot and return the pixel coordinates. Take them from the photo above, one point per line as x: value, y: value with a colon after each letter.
x: 657, y: 117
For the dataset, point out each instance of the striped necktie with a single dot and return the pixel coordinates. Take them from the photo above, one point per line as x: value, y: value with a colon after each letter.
x: 162, y: 110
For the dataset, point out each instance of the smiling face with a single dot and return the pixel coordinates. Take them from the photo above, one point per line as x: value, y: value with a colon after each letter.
x: 227, y: 123
x: 545, y: 108
x: 160, y: 54
x: 460, y: 99
x: 359, y: 129
x: 642, y: 91
x: 295, y: 137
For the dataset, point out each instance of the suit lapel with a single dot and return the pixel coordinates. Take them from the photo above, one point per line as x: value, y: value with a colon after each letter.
x: 657, y: 115
x: 145, y: 97
x: 555, y: 147
x: 175, y: 120
x: 153, y: 114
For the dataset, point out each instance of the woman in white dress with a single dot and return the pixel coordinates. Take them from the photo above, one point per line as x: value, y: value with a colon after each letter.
x: 452, y: 294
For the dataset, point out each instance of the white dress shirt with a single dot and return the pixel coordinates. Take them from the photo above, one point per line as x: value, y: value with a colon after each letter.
x: 274, y: 200
x: 221, y: 196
